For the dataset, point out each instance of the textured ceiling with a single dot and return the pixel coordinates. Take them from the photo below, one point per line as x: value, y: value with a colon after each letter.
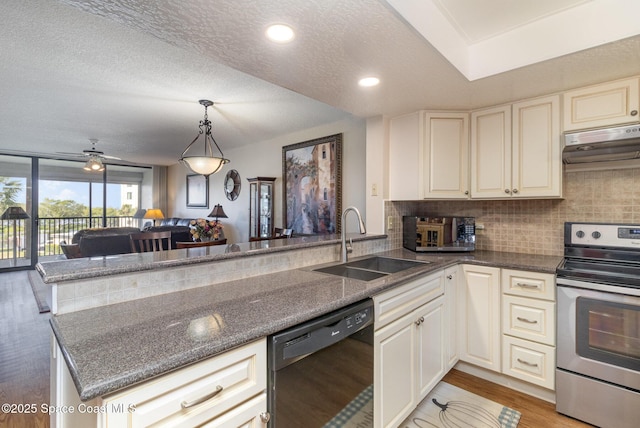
x: 130, y: 72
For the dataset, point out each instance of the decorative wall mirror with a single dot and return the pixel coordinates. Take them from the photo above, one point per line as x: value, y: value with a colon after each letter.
x: 232, y: 185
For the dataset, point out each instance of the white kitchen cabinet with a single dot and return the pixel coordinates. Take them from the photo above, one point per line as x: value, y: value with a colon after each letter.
x: 491, y: 152
x: 607, y: 104
x: 226, y: 390
x: 406, y: 136
x: 479, y: 308
x: 429, y: 156
x: 516, y: 150
x: 529, y: 326
x: 446, y: 155
x: 536, y: 168
x: 196, y: 394
x: 409, y: 349
x: 451, y: 317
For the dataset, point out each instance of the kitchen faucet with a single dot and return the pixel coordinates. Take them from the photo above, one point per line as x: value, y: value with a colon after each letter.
x: 347, y: 248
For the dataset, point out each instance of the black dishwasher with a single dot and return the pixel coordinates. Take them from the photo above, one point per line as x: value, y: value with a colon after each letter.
x: 321, y: 372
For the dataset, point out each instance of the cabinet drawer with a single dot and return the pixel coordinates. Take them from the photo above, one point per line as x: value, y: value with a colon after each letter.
x: 529, y: 361
x: 241, y: 373
x: 529, y: 319
x: 529, y: 284
x: 395, y: 303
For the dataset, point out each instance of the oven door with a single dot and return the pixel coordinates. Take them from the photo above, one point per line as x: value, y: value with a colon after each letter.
x: 599, y: 335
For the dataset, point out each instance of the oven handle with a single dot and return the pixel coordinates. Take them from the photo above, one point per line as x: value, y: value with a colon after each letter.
x: 595, y: 286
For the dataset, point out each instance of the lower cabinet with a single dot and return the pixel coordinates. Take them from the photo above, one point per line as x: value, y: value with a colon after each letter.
x: 529, y: 327
x: 479, y: 305
x: 409, y: 349
x: 228, y: 390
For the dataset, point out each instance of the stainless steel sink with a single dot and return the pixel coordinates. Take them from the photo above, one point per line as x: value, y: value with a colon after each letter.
x: 370, y: 268
x: 347, y: 272
x: 384, y: 264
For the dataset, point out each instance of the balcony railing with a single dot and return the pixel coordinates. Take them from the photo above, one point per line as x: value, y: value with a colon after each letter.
x: 51, y: 232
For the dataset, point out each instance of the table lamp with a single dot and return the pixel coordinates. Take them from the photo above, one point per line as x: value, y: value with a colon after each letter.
x: 15, y: 214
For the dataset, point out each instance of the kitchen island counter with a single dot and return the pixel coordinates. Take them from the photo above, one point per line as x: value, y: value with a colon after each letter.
x: 111, y: 347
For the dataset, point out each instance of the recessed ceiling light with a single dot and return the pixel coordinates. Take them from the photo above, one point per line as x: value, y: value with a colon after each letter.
x: 280, y: 33
x: 369, y: 81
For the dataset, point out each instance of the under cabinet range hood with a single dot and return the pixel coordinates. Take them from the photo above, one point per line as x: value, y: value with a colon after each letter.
x: 602, y: 145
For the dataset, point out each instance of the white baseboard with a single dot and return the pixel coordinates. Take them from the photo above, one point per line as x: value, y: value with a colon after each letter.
x: 509, y: 382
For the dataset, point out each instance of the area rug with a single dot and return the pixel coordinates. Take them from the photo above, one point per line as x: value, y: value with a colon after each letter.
x: 447, y: 406
x: 40, y: 290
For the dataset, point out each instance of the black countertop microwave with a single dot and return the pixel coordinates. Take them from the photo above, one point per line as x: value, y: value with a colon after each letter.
x: 426, y: 233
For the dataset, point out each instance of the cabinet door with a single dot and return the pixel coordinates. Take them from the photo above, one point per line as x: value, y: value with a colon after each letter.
x: 450, y: 328
x: 480, y: 330
x: 406, y: 137
x: 429, y: 321
x: 491, y: 153
x: 612, y: 103
x: 536, y: 166
x: 446, y: 152
x: 394, y: 379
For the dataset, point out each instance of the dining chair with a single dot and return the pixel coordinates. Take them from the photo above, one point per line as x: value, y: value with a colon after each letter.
x: 150, y: 241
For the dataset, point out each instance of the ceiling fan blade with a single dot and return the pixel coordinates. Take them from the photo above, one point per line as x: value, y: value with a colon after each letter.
x: 109, y: 157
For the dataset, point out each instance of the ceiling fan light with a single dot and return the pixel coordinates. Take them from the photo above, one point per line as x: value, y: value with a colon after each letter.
x: 94, y: 164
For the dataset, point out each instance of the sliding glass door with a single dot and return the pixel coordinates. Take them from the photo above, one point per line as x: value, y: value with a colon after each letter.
x: 44, y: 202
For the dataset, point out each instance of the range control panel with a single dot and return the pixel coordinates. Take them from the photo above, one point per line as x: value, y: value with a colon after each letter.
x: 602, y: 235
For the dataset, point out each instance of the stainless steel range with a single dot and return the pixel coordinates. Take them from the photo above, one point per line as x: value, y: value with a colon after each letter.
x: 598, y: 324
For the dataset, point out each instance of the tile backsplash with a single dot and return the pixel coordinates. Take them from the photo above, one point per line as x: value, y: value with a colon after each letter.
x: 536, y: 226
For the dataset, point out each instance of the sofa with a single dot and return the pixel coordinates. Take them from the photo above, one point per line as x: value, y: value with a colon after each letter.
x: 107, y: 241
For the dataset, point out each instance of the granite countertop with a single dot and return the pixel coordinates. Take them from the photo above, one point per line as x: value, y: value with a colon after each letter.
x: 93, y: 267
x: 112, y: 347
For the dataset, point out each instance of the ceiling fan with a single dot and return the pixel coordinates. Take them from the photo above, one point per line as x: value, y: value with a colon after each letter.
x: 95, y: 157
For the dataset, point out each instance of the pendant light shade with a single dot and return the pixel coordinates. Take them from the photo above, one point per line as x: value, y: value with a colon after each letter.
x: 208, y: 163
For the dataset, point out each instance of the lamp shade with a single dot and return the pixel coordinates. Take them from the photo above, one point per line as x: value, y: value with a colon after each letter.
x: 14, y: 213
x: 140, y: 213
x: 154, y: 213
x: 217, y: 212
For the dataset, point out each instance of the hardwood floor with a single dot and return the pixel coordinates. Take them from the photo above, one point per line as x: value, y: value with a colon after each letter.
x: 24, y: 353
x: 536, y: 413
x: 24, y: 366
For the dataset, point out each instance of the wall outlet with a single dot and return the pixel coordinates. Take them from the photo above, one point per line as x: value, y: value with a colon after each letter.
x: 374, y: 189
x: 480, y: 226
x: 389, y: 222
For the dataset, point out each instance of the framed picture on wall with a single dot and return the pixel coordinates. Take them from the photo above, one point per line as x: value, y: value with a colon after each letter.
x: 312, y: 186
x: 197, y: 191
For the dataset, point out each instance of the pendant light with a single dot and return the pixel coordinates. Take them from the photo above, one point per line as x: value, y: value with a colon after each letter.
x: 208, y: 163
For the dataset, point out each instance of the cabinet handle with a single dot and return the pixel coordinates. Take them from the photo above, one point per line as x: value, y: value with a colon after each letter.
x: 186, y: 404
x: 525, y: 285
x: 265, y: 417
x: 466, y: 192
x: 526, y: 320
x: 507, y: 191
x: 419, y: 320
x: 449, y: 277
x: 634, y: 112
x: 526, y: 363
x: 514, y: 191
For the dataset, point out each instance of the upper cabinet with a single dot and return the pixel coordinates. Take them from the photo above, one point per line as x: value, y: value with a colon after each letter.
x: 429, y: 156
x: 446, y: 155
x: 515, y: 150
x: 607, y: 104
